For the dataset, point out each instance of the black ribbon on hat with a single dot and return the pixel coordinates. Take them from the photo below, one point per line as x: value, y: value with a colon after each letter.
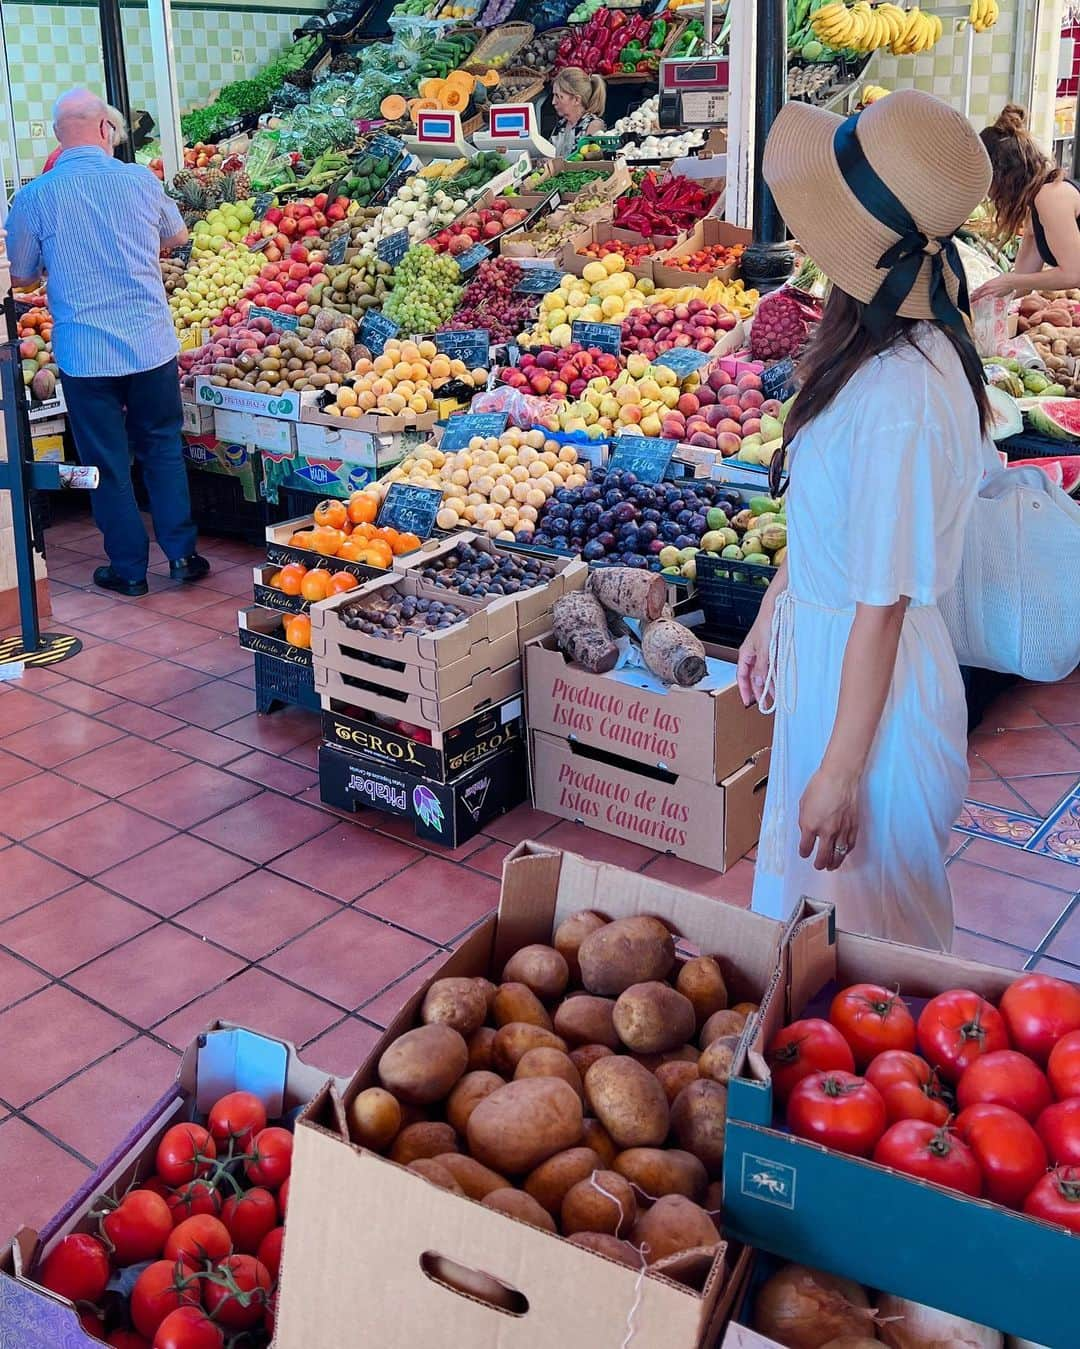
x: 905, y: 258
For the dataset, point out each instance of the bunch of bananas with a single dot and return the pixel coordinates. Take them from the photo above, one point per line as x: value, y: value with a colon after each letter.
x: 865, y: 28
x: 984, y: 14
x: 873, y: 93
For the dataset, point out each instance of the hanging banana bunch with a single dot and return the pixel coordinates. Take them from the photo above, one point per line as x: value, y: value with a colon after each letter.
x: 920, y: 33
x: 865, y: 28
x: 984, y: 14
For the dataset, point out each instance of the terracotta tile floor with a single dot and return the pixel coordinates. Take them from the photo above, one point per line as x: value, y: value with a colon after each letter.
x: 164, y: 860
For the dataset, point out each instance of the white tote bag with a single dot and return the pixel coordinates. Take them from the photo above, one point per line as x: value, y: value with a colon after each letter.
x: 1015, y: 607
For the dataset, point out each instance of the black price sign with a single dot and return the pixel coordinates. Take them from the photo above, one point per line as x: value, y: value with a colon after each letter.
x: 284, y: 323
x: 683, y: 360
x: 778, y: 381
x: 603, y: 336
x: 410, y: 509
x: 460, y: 430
x: 183, y: 253
x: 375, y: 329
x: 335, y: 254
x: 262, y: 203
x: 473, y: 347
x: 538, y: 281
x: 647, y: 458
x: 394, y: 247
x: 473, y: 257
x: 384, y: 147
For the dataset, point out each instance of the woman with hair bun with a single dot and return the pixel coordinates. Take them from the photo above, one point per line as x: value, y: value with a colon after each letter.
x: 579, y: 100
x: 1032, y: 196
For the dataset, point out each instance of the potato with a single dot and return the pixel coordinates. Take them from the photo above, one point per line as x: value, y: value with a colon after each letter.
x: 515, y: 1039
x: 721, y: 1024
x: 524, y: 1123
x: 603, y: 1202
x: 540, y: 968
x: 702, y: 982
x: 585, y: 1056
x: 655, y: 1172
x: 550, y: 1183
x: 518, y: 1003
x: 675, y: 1075
x: 585, y: 1020
x: 652, y: 1018
x: 628, y: 951
x: 746, y: 1009
x: 595, y: 1136
x: 517, y: 1204
x: 697, y: 1121
x: 549, y: 1063
x: 429, y: 1139
x: 467, y: 1095
x: 489, y: 990
x: 716, y: 1061
x: 571, y: 932
x: 674, y: 1224
x: 413, y: 1114
x: 475, y: 1180
x: 480, y: 1045
x: 374, y: 1119
x: 628, y: 1101
x: 602, y: 1243
x: 433, y: 1170
x: 423, y: 1064
x: 459, y: 1003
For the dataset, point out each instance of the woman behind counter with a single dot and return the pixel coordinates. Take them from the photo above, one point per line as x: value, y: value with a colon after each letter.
x: 579, y: 99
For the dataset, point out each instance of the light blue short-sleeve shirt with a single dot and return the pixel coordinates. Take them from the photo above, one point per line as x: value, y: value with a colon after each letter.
x: 95, y: 225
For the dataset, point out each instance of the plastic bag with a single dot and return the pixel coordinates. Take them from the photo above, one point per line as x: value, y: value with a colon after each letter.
x: 990, y: 322
x: 522, y: 409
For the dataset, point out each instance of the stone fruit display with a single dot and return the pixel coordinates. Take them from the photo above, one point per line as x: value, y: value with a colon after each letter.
x: 296, y: 221
x: 661, y: 327
x: 402, y: 379
x: 479, y: 226
x: 630, y: 253
x: 270, y: 362
x: 560, y: 373
x: 39, y: 370
x: 395, y: 616
x: 478, y: 574
x: 636, y: 399
x: 604, y: 293
x: 734, y: 418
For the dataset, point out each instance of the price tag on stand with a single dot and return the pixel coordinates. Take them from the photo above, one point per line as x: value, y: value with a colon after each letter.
x: 383, y: 146
x: 394, y: 247
x: 473, y: 257
x: 262, y: 203
x: 284, y: 323
x: 602, y: 336
x: 335, y: 254
x: 644, y: 456
x: 683, y: 360
x: 375, y: 328
x: 778, y: 381
x: 410, y: 509
x: 181, y: 254
x: 460, y: 430
x: 472, y: 346
x: 538, y: 281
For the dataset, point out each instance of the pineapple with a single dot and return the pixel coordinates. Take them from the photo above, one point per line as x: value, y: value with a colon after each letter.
x: 235, y: 186
x: 191, y: 194
x: 213, y: 180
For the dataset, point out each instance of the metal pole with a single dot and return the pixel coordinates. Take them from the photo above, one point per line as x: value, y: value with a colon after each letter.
x: 770, y: 93
x: 17, y: 436
x: 112, y: 52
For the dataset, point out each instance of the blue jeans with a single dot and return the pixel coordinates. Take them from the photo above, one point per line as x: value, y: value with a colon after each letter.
x: 112, y: 419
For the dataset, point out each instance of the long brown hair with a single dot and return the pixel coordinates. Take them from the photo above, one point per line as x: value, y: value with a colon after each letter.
x: 1021, y: 170
x: 842, y: 345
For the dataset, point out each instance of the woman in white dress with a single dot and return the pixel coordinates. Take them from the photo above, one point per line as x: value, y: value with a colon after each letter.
x: 888, y: 444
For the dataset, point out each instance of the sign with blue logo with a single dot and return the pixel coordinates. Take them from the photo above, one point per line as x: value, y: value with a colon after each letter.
x: 646, y: 457
x: 602, y: 336
x: 472, y: 346
x: 440, y: 128
x: 510, y: 121
x: 375, y: 329
x: 460, y: 430
x: 770, y: 1181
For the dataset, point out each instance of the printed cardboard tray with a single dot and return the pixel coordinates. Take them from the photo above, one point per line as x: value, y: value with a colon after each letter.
x: 262, y: 630
x: 280, y: 551
x: 419, y: 709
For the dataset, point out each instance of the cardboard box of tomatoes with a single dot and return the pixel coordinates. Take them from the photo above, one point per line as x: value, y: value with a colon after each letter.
x: 929, y: 1100
x: 176, y: 1240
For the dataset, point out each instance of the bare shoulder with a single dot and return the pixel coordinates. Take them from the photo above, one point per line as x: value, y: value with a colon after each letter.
x: 1060, y: 198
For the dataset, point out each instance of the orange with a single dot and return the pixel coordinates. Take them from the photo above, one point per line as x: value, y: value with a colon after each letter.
x: 327, y: 541
x: 331, y: 513
x: 298, y: 630
x: 290, y: 578
x: 362, y: 508
x: 342, y: 580
x: 316, y: 584
x: 405, y: 543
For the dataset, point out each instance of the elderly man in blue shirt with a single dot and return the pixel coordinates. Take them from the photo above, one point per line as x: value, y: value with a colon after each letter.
x: 96, y: 226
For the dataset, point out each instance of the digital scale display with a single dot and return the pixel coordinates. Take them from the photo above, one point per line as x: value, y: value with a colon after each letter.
x: 694, y: 91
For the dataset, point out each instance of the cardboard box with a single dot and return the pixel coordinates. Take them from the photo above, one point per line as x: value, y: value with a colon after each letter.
x: 285, y: 406
x: 576, y: 262
x: 420, y: 709
x: 263, y: 433
x: 198, y: 418
x: 48, y: 442
x: 802, y: 1202
x: 706, y: 233
x: 267, y: 597
x: 224, y: 1058
x: 336, y: 438
x: 380, y: 1221
x: 449, y: 752
x: 449, y: 813
x: 262, y: 630
x: 280, y: 551
x: 377, y: 423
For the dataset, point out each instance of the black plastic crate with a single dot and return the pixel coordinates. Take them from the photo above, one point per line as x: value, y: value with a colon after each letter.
x: 1033, y: 445
x: 280, y: 683
x: 218, y: 506
x: 730, y: 592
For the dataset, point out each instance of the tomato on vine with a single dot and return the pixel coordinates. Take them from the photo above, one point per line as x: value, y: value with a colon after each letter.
x: 237, y: 1292
x: 196, y: 1198
x: 236, y: 1119
x: 137, y: 1229
x: 270, y: 1159
x: 249, y: 1217
x: 185, y: 1152
x: 199, y: 1241
x: 872, y: 1019
x: 160, y: 1289
x: 77, y: 1268
x: 188, y: 1328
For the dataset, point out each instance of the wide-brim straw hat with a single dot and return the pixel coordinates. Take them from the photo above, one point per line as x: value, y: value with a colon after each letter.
x: 925, y: 152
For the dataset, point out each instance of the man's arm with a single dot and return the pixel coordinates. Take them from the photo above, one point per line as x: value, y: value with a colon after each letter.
x: 171, y: 227
x: 23, y: 245
x: 176, y: 240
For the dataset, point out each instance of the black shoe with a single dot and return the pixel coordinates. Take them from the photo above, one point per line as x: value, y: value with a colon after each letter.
x: 192, y: 568
x: 107, y: 579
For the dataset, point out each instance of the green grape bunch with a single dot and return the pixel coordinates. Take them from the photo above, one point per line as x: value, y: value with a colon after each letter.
x: 427, y: 290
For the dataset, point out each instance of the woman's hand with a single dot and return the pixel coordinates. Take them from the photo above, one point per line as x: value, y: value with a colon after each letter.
x: 829, y: 818
x: 754, y: 658
x: 1004, y: 284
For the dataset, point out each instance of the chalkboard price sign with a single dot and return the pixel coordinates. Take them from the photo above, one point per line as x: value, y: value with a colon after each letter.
x: 603, y: 336
x: 262, y: 203
x: 183, y: 253
x: 683, y: 360
x: 647, y: 458
x: 778, y: 381
x: 538, y: 281
x: 394, y: 247
x: 473, y: 257
x: 375, y: 329
x: 384, y: 147
x: 460, y: 430
x: 335, y: 254
x: 410, y: 509
x: 284, y: 323
x: 473, y: 347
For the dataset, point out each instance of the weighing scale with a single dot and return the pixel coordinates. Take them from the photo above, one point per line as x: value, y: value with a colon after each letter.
x: 439, y: 136
x: 513, y: 129
x: 694, y: 91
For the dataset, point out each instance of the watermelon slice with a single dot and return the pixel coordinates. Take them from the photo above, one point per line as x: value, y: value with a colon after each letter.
x: 1058, y: 418
x: 1064, y: 470
x: 1007, y: 419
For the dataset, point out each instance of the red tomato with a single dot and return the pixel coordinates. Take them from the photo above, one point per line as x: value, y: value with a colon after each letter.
x: 1056, y: 1198
x: 805, y: 1047
x: 838, y: 1109
x: 1063, y: 1066
x: 138, y: 1228
x: 159, y: 1290
x: 920, y: 1149
x: 198, y: 1241
x: 92, y: 1323
x: 197, y: 1197
x: 249, y: 1217
x: 283, y: 1200
x: 188, y: 1328
x: 909, y: 1087
x: 1005, y: 1077
x: 271, y: 1158
x: 1007, y: 1148
x: 185, y: 1152
x: 1059, y: 1128
x: 269, y: 1253
x: 156, y: 1186
x: 237, y: 1118
x: 1038, y: 1010
x: 77, y: 1268
x: 871, y: 1020
x: 240, y: 1305
x: 956, y: 1027
x: 127, y: 1339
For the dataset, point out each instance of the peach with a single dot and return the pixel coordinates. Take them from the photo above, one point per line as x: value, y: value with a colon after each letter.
x: 688, y: 404
x: 728, y: 445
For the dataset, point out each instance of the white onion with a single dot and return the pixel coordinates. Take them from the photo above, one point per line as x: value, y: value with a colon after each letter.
x: 910, y: 1325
